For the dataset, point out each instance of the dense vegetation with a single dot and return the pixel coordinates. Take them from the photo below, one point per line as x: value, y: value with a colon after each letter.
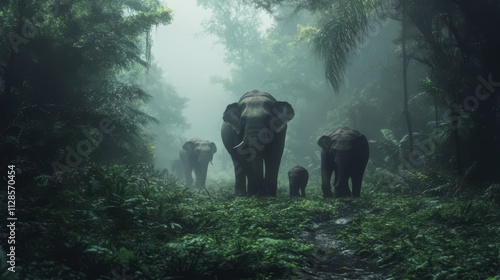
x: 80, y: 131
x: 114, y: 222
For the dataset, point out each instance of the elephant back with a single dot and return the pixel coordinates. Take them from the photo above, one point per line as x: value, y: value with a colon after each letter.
x: 257, y: 93
x: 298, y: 171
x: 343, y: 138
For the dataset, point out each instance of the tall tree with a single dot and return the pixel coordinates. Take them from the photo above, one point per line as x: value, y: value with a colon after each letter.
x: 59, y: 76
x: 405, y: 57
x: 457, y: 41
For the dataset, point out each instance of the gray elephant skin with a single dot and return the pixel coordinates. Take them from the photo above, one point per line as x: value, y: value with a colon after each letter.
x: 297, y: 180
x: 195, y: 156
x: 346, y: 152
x: 253, y: 132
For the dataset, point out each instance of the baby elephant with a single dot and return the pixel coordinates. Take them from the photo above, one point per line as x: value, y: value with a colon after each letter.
x: 298, y: 177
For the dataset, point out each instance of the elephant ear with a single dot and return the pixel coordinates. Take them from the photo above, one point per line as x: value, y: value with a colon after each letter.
x: 232, y: 117
x: 188, y: 146
x: 213, y: 147
x: 325, y: 143
x: 284, y: 113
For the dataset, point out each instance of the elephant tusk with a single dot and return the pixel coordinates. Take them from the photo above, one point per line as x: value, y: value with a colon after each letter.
x: 239, y: 145
x: 211, y: 163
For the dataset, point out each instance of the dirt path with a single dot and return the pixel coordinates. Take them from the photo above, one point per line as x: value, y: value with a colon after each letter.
x: 335, y: 262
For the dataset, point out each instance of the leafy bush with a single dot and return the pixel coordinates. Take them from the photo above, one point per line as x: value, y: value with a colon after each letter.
x: 430, y: 238
x: 117, y: 221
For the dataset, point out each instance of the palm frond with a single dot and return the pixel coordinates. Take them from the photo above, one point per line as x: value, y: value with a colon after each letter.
x: 346, y: 26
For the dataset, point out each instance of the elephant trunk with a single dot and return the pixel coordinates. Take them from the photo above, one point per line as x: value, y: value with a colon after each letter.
x: 201, y: 173
x: 205, y: 156
x: 251, y: 137
x: 253, y: 148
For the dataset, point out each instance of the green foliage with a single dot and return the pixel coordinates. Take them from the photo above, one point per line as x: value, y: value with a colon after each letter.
x: 111, y: 217
x: 60, y: 80
x: 95, y: 223
x: 246, y: 237
x: 420, y: 237
x: 460, y: 64
x: 135, y: 220
x: 345, y: 27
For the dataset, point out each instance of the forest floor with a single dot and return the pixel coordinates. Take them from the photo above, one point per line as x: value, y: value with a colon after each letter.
x: 334, y: 261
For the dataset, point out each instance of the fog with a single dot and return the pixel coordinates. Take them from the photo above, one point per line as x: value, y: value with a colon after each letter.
x: 189, y: 58
x: 391, y: 146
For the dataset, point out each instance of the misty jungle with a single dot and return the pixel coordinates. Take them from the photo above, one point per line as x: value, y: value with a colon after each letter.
x: 250, y: 139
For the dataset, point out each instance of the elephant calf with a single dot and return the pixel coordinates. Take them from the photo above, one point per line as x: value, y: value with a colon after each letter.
x: 298, y: 178
x: 346, y: 152
x: 195, y: 156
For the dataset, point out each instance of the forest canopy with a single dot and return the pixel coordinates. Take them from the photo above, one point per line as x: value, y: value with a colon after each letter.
x: 91, y: 128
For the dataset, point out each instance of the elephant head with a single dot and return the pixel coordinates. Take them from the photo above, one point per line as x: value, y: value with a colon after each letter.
x: 257, y: 117
x: 195, y: 155
x: 200, y: 150
x: 253, y: 133
x: 346, y: 152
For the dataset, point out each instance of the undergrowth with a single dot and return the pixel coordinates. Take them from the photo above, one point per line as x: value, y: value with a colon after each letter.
x: 419, y: 236
x: 114, y: 222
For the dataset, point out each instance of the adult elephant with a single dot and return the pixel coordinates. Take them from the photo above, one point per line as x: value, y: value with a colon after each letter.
x: 346, y: 152
x: 253, y: 132
x: 195, y: 156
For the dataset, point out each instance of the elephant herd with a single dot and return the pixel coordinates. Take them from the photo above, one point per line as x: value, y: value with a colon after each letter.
x: 253, y: 132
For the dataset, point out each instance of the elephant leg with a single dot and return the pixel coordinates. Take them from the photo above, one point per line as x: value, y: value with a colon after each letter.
x: 298, y: 183
x: 271, y: 180
x: 327, y: 166
x: 230, y: 139
x: 240, y: 179
x: 273, y: 154
x: 294, y: 186
x: 188, y: 171
x: 342, y: 181
x: 255, y: 177
x: 336, y: 170
x: 196, y: 170
x: 200, y: 171
x: 357, y: 177
x: 356, y: 180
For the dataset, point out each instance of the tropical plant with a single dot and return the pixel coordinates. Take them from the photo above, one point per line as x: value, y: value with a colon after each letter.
x: 60, y: 83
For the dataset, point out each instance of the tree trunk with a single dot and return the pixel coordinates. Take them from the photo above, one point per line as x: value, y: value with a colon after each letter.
x: 405, y: 78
